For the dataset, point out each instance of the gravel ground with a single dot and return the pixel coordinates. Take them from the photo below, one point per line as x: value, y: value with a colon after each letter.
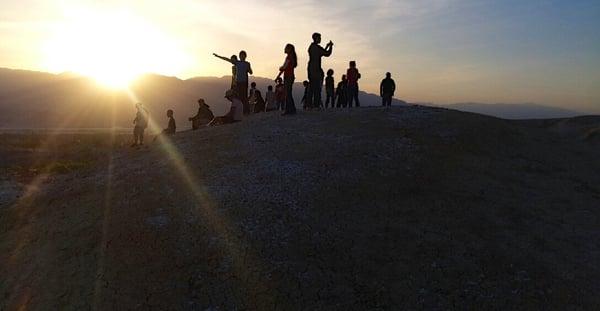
x: 413, y: 208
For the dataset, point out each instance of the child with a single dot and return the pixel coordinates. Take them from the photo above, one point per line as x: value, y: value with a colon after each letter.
x: 280, y: 94
x: 272, y: 104
x: 140, y: 125
x: 353, y: 76
x: 341, y: 92
x: 171, y: 128
x: 329, y: 89
x: 305, y: 100
x: 233, y: 71
x: 203, y: 116
x: 252, y: 96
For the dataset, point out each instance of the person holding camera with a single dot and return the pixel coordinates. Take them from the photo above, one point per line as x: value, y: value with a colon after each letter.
x: 315, y: 72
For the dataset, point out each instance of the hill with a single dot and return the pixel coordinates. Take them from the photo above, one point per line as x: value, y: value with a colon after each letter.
x: 41, y: 100
x: 413, y: 208
x: 516, y: 111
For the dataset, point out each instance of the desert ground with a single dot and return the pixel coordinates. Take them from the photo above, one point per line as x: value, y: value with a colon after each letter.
x: 413, y: 208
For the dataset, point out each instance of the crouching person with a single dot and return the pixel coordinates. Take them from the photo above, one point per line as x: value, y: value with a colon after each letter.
x: 235, y: 113
x: 171, y: 128
x: 203, y: 116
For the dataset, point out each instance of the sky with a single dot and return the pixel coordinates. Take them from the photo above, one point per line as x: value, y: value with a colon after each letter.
x: 438, y: 51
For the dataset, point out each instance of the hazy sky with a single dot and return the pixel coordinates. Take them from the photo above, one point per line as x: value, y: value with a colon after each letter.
x: 439, y: 51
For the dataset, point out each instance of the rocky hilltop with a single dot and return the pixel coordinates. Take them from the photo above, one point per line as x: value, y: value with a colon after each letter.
x: 413, y: 208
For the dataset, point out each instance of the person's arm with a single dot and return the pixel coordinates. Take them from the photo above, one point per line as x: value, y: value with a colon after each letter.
x: 223, y: 58
x: 393, y: 87
x: 249, y: 68
x: 381, y: 88
x: 327, y: 51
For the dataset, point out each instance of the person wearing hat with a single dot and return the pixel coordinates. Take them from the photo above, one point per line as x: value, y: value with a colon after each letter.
x: 203, y: 116
x: 235, y: 113
x: 140, y: 124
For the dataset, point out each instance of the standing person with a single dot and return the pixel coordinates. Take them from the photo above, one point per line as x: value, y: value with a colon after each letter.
x: 280, y: 93
x: 330, y: 89
x: 203, y: 116
x: 387, y: 89
x: 305, y: 100
x: 291, y: 62
x: 252, y: 98
x: 140, y: 124
x: 242, y: 70
x: 233, y: 71
x: 315, y: 72
x: 271, y: 101
x: 353, y: 76
x: 341, y: 92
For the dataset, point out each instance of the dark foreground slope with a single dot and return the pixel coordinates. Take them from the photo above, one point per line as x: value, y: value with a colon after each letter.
x: 362, y: 210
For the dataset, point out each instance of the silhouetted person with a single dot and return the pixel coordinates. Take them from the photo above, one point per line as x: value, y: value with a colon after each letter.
x: 203, y: 116
x: 233, y: 71
x: 270, y: 100
x: 235, y: 113
x: 252, y: 93
x: 330, y: 89
x: 353, y: 76
x: 140, y: 124
x: 171, y: 127
x: 287, y: 69
x: 242, y: 69
x: 257, y: 102
x: 280, y: 93
x: 306, y: 97
x: 342, y: 92
x: 386, y: 90
x: 315, y: 72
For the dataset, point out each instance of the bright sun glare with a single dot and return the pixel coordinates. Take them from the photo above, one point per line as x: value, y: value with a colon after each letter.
x: 113, y: 48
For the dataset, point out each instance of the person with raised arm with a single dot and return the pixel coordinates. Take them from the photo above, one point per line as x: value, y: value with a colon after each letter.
x: 287, y: 69
x: 242, y: 70
x: 315, y: 72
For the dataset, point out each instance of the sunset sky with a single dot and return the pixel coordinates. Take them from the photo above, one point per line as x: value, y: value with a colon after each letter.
x: 440, y: 51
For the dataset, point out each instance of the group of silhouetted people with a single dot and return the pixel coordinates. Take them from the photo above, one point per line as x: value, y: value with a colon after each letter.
x: 278, y: 98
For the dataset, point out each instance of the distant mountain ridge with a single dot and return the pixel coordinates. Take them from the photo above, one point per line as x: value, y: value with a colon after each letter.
x: 31, y: 99
x: 516, y: 111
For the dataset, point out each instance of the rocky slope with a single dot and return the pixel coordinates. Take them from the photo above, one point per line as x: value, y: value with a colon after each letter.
x: 413, y: 208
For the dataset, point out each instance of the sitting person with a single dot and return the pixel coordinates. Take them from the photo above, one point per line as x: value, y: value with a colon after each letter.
x: 203, y: 116
x: 235, y: 113
x: 171, y: 128
x: 271, y: 100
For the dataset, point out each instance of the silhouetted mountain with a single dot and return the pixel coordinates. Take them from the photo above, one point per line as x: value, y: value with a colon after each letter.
x: 30, y: 99
x: 516, y: 111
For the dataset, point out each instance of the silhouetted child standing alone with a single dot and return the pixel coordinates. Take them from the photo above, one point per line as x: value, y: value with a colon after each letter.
x: 353, y: 76
x: 140, y: 123
x: 330, y: 89
x: 305, y: 99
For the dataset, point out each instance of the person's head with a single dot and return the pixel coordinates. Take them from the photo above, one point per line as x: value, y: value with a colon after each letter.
x: 139, y: 106
x: 330, y: 72
x: 243, y: 55
x: 170, y: 113
x: 279, y: 80
x: 316, y: 37
x: 388, y: 75
x: 234, y: 58
x: 270, y: 88
x: 343, y: 77
x: 230, y: 94
x: 352, y: 64
x: 290, y: 50
x: 305, y: 83
x: 253, y: 85
x: 201, y: 102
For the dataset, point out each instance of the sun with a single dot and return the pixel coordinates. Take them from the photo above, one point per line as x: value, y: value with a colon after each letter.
x: 113, y: 48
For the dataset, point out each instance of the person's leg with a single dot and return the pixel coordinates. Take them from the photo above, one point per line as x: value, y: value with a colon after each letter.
x: 242, y: 90
x: 141, y: 136
x: 356, y: 96
x: 290, y: 106
x: 318, y: 90
x: 350, y: 96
